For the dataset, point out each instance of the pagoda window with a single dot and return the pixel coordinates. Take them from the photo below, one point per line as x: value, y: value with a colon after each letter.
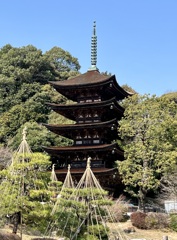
x: 96, y: 139
x: 78, y: 142
x: 97, y: 99
x: 89, y: 100
x: 78, y: 137
x: 96, y: 135
x: 96, y: 120
x: 80, y: 121
x: 87, y: 135
x: 80, y: 116
x: 96, y: 117
x: 95, y: 114
x: 87, y: 139
x: 88, y: 115
x: 88, y: 121
x: 77, y: 158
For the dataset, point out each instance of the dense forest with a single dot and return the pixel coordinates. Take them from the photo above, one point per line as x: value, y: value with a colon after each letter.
x: 148, y: 130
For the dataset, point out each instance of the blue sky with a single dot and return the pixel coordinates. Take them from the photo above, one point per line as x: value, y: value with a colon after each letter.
x: 137, y: 39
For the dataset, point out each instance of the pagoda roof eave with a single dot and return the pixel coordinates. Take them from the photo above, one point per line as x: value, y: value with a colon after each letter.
x: 80, y: 126
x: 90, y: 79
x: 69, y: 110
x: 87, y: 148
x: 66, y: 130
x: 82, y: 170
x: 82, y: 80
x: 85, y: 105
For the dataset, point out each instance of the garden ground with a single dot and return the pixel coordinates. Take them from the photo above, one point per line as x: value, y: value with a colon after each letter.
x: 138, y: 234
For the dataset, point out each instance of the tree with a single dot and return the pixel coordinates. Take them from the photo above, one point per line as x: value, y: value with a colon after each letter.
x: 24, y: 88
x: 148, y: 130
x: 38, y: 136
x: 171, y: 96
x: 128, y: 88
x: 28, y: 191
x: 5, y: 156
x: 24, y: 191
x: 82, y: 212
x: 64, y: 64
x: 168, y: 188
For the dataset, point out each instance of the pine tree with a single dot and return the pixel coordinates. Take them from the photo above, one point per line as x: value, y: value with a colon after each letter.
x: 25, y: 194
x: 82, y: 212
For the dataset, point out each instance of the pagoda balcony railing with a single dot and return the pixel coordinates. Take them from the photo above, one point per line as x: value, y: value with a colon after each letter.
x: 87, y: 142
x: 88, y: 120
x: 83, y: 164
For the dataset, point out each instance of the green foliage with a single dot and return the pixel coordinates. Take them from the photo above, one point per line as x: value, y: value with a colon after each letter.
x: 128, y: 88
x: 5, y: 156
x: 24, y: 188
x: 148, y: 130
x: 172, y: 96
x: 98, y: 230
x: 79, y: 213
x: 64, y: 64
x: 173, y: 222
x: 24, y: 88
x: 38, y: 136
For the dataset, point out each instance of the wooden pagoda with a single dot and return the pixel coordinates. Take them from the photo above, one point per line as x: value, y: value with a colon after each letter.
x: 96, y: 113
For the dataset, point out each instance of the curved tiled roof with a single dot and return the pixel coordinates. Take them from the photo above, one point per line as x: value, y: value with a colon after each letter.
x: 68, y: 110
x: 79, y: 126
x: 69, y: 129
x: 82, y: 170
x: 87, y: 148
x: 86, y: 105
x: 90, y: 77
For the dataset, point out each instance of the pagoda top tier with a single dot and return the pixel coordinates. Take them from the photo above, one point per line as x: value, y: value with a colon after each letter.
x: 90, y: 77
x: 90, y: 80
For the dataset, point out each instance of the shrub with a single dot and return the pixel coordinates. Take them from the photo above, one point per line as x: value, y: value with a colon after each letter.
x: 138, y: 220
x: 156, y: 220
x: 119, y: 210
x: 173, y: 222
x: 98, y: 231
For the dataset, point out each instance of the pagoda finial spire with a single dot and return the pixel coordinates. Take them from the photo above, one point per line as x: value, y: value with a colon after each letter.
x: 93, y: 49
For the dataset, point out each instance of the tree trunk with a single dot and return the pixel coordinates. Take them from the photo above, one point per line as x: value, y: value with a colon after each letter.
x: 16, y: 221
x: 141, y: 200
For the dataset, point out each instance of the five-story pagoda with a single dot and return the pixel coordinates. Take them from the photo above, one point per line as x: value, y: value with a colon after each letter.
x: 96, y: 113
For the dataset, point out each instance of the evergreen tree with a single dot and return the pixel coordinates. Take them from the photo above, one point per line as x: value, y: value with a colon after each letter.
x: 24, y: 89
x: 82, y: 212
x: 26, y: 197
x: 148, y: 130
